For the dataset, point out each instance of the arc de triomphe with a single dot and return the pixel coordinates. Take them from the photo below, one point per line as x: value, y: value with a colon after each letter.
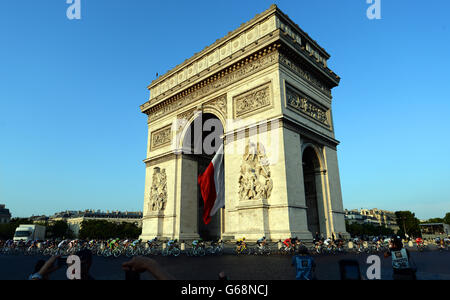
x: 268, y: 84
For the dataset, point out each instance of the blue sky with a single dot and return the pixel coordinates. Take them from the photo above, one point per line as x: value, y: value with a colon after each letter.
x: 72, y: 135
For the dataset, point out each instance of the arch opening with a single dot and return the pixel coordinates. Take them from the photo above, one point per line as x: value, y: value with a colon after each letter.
x: 201, y: 141
x: 311, y: 179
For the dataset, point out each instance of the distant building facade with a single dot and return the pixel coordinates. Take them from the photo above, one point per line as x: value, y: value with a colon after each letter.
x: 5, y: 215
x: 375, y: 216
x: 435, y: 230
x: 75, y: 218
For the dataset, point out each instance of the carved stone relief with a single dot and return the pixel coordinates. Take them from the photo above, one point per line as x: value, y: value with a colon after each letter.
x: 252, y: 101
x: 234, y: 74
x: 219, y: 103
x: 158, y: 190
x: 161, y: 137
x: 255, y: 182
x: 183, y: 118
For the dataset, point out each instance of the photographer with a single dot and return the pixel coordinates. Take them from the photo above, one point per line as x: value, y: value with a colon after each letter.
x: 401, y: 260
x: 141, y: 264
x: 43, y: 269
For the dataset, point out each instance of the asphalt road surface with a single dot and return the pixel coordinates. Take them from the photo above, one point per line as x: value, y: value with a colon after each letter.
x: 432, y: 265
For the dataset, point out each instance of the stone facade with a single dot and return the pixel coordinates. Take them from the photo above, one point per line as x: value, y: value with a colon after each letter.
x: 375, y: 216
x: 5, y: 215
x: 269, y: 85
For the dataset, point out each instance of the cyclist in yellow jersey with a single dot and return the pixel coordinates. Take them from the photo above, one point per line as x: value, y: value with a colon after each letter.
x: 241, y: 243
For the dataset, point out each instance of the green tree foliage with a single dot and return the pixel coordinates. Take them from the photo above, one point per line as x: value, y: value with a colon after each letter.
x: 367, y: 229
x: 447, y: 218
x: 435, y: 220
x: 7, y: 230
x: 100, y: 229
x: 59, y: 229
x: 408, y: 222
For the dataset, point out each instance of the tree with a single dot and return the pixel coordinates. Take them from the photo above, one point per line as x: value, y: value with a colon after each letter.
x: 101, y: 229
x: 367, y: 229
x: 408, y: 223
x: 435, y: 220
x: 447, y: 218
x: 59, y: 229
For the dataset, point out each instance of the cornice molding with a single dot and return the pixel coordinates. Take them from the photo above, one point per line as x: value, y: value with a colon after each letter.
x: 243, y: 68
x: 261, y: 26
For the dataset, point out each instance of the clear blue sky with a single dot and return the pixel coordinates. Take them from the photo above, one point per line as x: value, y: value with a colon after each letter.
x: 72, y: 135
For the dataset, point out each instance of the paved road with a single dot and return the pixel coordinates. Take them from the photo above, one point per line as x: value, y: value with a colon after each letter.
x: 431, y: 265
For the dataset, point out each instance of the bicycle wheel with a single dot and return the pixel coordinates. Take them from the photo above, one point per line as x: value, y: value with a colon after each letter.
x: 210, y: 251
x: 176, y: 251
x: 129, y: 253
x: 201, y: 252
x: 117, y: 253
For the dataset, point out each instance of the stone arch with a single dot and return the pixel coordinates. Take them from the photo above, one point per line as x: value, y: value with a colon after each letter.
x: 313, y: 186
x: 316, y: 149
x: 195, y: 163
x: 217, y: 113
x: 182, y: 129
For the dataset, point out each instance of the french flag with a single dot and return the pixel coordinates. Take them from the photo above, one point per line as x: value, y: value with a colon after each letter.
x: 212, y: 186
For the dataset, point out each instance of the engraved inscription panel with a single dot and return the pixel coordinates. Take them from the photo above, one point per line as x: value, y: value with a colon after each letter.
x: 304, y: 105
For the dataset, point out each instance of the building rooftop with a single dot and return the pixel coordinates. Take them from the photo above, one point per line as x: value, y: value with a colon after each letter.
x: 98, y: 214
x: 4, y: 211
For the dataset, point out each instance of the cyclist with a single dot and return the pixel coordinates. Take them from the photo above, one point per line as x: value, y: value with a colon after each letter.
x: 153, y: 242
x: 419, y: 241
x: 447, y: 241
x: 171, y: 244
x: 261, y: 242
x: 62, y: 244
x: 91, y: 244
x: 240, y: 244
x: 195, y: 244
x: 288, y: 243
x: 437, y: 241
x: 112, y: 243
x: 72, y: 244
x: 441, y: 244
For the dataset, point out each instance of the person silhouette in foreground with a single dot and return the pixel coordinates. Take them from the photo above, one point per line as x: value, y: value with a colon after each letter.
x: 304, y: 265
x: 401, y: 260
x: 141, y: 264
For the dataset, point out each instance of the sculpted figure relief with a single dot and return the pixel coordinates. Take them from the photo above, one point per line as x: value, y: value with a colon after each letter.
x: 255, y: 182
x: 158, y: 190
